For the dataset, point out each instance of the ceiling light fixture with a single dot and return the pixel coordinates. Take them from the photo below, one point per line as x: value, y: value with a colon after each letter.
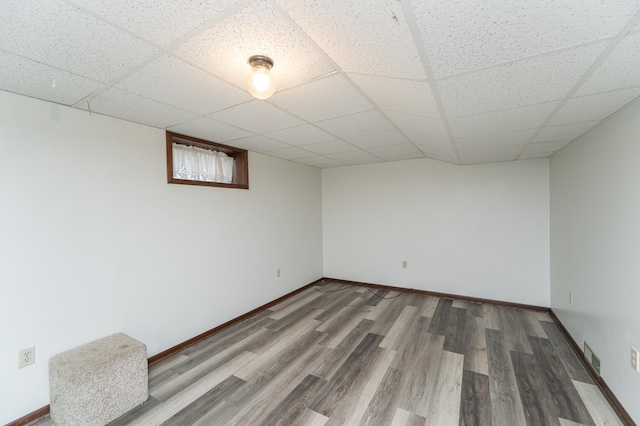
x: 260, y: 82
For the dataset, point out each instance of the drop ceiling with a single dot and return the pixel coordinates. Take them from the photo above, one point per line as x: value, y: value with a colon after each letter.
x: 357, y: 82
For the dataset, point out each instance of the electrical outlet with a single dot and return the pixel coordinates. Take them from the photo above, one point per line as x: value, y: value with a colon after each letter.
x: 26, y: 356
x: 592, y: 358
x: 278, y: 272
x: 404, y: 264
x: 571, y: 297
x: 635, y: 362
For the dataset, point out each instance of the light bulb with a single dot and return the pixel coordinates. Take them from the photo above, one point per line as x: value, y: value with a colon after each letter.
x: 260, y: 82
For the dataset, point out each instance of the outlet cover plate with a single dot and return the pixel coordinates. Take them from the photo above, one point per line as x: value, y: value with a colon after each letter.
x: 26, y: 357
x: 635, y: 362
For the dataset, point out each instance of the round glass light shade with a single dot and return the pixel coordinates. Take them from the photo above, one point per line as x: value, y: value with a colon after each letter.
x: 260, y: 82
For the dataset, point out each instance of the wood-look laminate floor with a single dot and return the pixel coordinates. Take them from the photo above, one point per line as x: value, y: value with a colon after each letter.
x: 342, y: 355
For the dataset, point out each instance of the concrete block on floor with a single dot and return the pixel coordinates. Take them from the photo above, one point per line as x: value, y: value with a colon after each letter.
x: 96, y: 383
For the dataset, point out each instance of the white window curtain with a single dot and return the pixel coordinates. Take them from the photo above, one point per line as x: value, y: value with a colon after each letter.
x: 194, y: 163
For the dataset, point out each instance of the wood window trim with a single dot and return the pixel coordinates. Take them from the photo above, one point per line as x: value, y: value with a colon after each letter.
x: 240, y: 170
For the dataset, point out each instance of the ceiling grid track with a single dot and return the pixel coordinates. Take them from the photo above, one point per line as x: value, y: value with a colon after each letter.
x: 356, y: 81
x: 163, y: 50
x: 525, y: 58
x: 424, y: 58
x: 601, y: 58
x: 339, y: 70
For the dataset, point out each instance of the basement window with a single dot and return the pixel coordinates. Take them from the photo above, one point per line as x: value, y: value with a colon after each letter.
x: 193, y: 161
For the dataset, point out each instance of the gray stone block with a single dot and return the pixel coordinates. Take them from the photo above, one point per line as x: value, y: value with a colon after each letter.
x: 98, y: 382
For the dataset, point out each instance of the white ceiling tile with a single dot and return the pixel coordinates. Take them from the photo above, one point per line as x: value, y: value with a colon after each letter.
x: 335, y: 62
x: 544, y: 147
x: 485, y: 160
x: 118, y: 103
x: 332, y: 147
x: 317, y: 100
x: 406, y: 151
x: 327, y: 166
x: 531, y: 81
x: 535, y: 155
x: 355, y: 157
x: 257, y: 116
x: 290, y: 153
x: 320, y: 161
x: 257, y: 29
x: 505, y: 121
x: 403, y: 156
x: 178, y: 83
x: 431, y: 141
x: 461, y: 36
x: 436, y: 150
x: 361, y: 123
x: 563, y: 132
x: 160, y: 22
x: 377, y: 140
x: 258, y: 143
x: 619, y: 69
x: 398, y: 94
x: 593, y: 107
x: 60, y: 35
x: 418, y: 124
x: 520, y: 137
x: 31, y: 78
x: 356, y: 34
x: 210, y: 130
x: 444, y: 159
x: 505, y: 153
x: 301, y: 135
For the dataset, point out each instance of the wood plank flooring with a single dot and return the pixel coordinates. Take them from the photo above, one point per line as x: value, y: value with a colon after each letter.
x: 346, y: 355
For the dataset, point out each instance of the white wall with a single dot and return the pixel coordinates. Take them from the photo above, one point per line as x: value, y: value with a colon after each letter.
x: 595, y: 247
x: 94, y: 241
x: 479, y: 230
